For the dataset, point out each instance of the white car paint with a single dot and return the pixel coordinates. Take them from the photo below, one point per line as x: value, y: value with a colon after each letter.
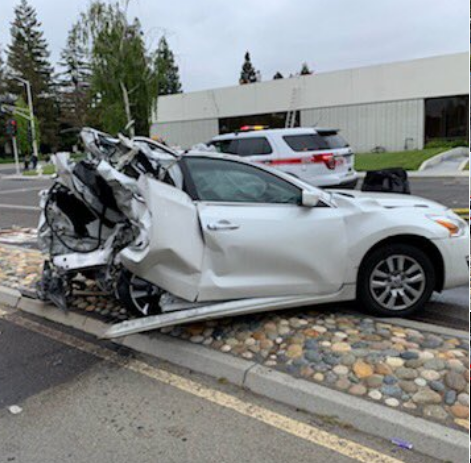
x: 219, y: 257
x: 277, y: 249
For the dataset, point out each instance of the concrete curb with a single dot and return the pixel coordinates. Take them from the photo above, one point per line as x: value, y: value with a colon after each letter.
x: 428, y: 438
x: 437, y: 159
x: 463, y: 165
x: 424, y: 174
x: 424, y: 326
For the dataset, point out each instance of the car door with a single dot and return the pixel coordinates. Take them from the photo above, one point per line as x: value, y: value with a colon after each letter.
x: 259, y: 240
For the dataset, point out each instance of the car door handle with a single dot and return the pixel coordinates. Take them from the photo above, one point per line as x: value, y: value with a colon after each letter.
x: 222, y: 225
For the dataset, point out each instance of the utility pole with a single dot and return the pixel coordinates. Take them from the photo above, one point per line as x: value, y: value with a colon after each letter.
x: 11, y: 129
x: 15, y: 153
x: 27, y: 84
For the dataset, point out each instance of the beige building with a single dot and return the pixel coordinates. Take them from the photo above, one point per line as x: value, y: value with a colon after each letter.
x: 396, y: 106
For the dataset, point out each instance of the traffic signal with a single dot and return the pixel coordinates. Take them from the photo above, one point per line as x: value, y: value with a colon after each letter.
x: 30, y: 135
x: 11, y: 127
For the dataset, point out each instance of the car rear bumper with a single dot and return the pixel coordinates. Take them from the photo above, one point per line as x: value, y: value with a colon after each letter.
x: 455, y: 253
x: 331, y: 180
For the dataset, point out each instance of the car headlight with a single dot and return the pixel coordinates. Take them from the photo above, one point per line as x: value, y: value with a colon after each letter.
x: 455, y: 226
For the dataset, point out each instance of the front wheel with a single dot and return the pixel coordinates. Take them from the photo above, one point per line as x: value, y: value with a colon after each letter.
x: 139, y: 297
x: 396, y: 280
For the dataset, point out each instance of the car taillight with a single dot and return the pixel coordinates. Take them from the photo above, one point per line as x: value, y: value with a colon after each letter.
x: 328, y: 159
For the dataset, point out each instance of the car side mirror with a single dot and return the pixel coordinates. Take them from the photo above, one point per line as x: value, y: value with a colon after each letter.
x: 310, y: 199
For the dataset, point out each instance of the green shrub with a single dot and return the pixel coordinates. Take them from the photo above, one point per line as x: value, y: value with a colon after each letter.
x: 444, y: 143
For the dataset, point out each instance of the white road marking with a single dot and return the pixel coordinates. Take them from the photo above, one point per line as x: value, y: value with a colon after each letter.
x: 283, y: 423
x: 22, y: 208
x: 22, y: 190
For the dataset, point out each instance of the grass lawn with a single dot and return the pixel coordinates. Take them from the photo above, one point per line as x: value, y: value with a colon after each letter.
x: 48, y: 169
x: 408, y: 160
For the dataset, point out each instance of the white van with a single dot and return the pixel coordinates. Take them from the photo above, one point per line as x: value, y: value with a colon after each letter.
x: 319, y: 156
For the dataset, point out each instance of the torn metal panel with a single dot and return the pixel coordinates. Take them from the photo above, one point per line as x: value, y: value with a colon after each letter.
x: 173, y: 258
x: 77, y: 261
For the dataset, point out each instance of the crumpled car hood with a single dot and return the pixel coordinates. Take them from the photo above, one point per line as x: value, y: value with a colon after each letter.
x: 388, y: 200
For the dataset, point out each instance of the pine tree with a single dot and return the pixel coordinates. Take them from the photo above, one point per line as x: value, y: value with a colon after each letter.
x: 28, y: 58
x: 167, y: 71
x: 74, y: 83
x: 278, y: 75
x: 248, y: 73
x: 305, y: 71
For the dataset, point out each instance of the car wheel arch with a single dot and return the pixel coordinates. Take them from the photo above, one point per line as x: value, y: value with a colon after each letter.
x: 421, y: 243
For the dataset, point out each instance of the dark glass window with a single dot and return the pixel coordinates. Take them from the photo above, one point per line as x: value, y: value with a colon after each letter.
x: 333, y: 139
x: 270, y: 120
x: 306, y: 142
x: 253, y: 146
x: 229, y: 181
x: 225, y: 146
x: 446, y: 118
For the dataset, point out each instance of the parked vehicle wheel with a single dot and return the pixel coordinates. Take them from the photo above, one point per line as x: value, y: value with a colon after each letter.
x: 140, y: 297
x: 396, y: 280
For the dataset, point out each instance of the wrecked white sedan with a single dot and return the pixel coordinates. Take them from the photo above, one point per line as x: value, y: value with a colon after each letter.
x: 201, y: 235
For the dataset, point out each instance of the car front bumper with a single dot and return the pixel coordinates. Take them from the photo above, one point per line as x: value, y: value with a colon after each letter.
x: 455, y: 253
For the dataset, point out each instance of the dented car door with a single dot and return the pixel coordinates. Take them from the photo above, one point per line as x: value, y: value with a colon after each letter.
x: 259, y: 240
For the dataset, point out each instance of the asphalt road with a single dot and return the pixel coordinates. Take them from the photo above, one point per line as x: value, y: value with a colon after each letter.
x: 80, y: 407
x: 19, y: 206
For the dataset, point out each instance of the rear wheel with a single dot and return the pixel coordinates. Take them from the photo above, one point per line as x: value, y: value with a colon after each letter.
x: 140, y: 297
x: 396, y: 280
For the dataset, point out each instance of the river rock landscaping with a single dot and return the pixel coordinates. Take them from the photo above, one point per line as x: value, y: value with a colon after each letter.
x: 417, y: 372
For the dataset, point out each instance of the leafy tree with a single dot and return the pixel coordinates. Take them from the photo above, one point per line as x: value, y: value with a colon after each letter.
x: 278, y: 75
x: 123, y: 80
x: 74, y: 80
x: 305, y: 71
x: 28, y: 57
x: 167, y: 71
x: 23, y: 125
x: 248, y: 74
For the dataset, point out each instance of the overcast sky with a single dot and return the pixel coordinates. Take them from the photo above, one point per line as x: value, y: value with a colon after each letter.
x: 210, y: 37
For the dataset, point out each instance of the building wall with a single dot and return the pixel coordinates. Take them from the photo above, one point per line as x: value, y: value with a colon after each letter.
x: 373, y: 106
x: 186, y: 133
x: 389, y: 124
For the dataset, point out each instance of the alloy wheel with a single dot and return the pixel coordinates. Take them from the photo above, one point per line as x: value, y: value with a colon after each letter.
x: 397, y: 282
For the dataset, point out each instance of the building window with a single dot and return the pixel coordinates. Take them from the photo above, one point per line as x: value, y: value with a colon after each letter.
x: 270, y: 120
x: 446, y: 118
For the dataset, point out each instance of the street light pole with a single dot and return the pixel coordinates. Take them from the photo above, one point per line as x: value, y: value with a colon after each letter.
x: 15, y: 153
x: 27, y: 84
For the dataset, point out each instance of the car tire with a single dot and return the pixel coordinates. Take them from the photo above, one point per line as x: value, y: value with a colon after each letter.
x: 395, y: 280
x: 138, y: 296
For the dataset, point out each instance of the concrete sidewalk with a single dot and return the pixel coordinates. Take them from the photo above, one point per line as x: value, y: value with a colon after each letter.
x: 448, y: 163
